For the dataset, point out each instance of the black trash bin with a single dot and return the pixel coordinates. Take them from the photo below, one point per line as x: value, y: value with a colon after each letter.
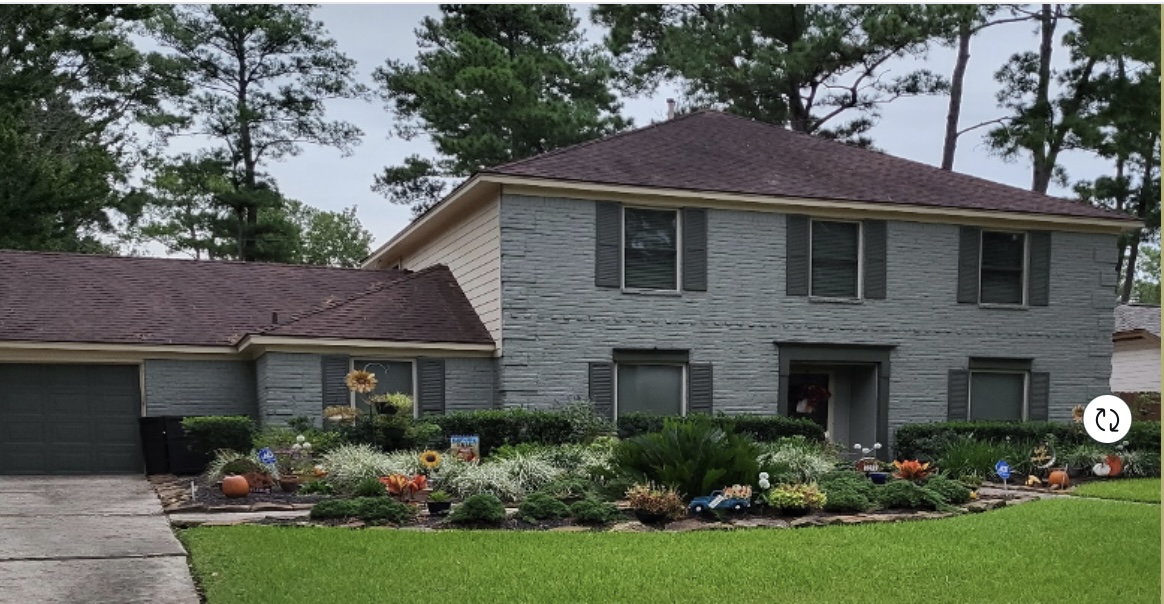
x: 183, y: 460
x: 153, y: 445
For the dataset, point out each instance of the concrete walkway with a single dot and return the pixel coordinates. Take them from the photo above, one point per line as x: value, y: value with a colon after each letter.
x: 91, y: 539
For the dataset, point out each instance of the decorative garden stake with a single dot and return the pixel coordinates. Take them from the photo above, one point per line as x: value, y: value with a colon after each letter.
x: 867, y: 463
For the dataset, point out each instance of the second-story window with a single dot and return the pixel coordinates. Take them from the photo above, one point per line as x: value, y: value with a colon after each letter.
x: 1003, y: 263
x: 835, y: 259
x: 650, y: 249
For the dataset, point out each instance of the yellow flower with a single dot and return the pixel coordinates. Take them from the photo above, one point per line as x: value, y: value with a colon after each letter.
x: 430, y: 459
x: 360, y: 381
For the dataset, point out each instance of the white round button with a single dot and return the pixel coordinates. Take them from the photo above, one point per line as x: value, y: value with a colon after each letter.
x: 1107, y: 419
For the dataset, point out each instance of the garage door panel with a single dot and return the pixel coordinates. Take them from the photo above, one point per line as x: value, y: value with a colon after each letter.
x: 69, y: 419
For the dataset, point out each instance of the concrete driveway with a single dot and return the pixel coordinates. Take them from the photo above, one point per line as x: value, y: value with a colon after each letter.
x: 91, y: 539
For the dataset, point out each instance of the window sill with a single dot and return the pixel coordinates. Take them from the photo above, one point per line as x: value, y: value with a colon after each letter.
x: 823, y: 300
x: 666, y: 293
x: 989, y: 306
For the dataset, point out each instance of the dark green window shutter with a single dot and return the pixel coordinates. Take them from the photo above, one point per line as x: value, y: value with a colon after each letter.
x: 699, y: 388
x: 430, y: 377
x: 796, y: 257
x: 695, y: 249
x: 958, y: 395
x: 602, y: 388
x: 1040, y: 267
x: 969, y: 240
x: 1038, y: 404
x: 608, y: 239
x: 335, y: 390
x: 875, y: 252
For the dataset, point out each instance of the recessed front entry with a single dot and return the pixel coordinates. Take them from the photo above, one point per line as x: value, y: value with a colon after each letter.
x: 810, y: 397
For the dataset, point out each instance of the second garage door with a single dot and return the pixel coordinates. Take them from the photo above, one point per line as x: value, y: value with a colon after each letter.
x: 69, y: 419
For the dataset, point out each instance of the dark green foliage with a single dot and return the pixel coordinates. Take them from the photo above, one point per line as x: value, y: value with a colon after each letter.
x: 391, y: 432
x: 240, y: 467
x: 478, y: 510
x: 370, y: 487
x: 498, y: 427
x: 372, y: 510
x: 847, y: 491
x: 905, y: 494
x: 762, y: 428
x: 569, y: 489
x: 316, y: 487
x: 951, y: 491
x: 692, y: 456
x: 927, y: 442
x: 215, y: 432
x: 541, y: 506
x: 593, y: 511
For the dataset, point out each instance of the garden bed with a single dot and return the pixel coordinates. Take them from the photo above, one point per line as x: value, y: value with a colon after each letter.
x: 174, y: 492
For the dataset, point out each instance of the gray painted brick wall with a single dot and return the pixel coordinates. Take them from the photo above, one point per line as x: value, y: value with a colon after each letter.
x: 180, y: 387
x: 470, y: 384
x: 555, y: 320
x: 289, y: 385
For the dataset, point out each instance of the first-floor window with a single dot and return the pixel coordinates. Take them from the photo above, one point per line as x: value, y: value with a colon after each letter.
x: 391, y: 377
x: 998, y: 395
x: 653, y: 389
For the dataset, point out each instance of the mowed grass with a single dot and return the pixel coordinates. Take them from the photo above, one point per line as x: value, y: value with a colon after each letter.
x: 1131, y: 489
x: 1062, y: 550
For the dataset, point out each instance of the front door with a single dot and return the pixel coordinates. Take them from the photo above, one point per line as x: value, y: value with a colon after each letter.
x: 809, y: 397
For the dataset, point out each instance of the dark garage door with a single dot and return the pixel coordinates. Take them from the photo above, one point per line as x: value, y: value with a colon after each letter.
x: 69, y: 419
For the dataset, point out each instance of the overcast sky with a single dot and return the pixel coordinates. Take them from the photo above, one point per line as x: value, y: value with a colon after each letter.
x: 371, y: 34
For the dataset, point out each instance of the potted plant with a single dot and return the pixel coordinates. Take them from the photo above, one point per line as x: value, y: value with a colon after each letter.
x: 652, y: 504
x: 439, y: 503
x: 291, y: 462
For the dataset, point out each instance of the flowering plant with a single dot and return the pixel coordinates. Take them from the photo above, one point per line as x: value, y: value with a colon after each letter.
x: 296, y: 459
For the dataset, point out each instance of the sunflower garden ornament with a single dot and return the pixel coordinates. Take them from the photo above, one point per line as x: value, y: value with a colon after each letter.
x: 360, y: 381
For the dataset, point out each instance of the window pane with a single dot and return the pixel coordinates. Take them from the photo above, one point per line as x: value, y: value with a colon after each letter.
x: 650, y: 249
x: 391, y: 377
x: 835, y: 254
x: 996, y: 396
x: 1002, y: 287
x: 1002, y: 268
x: 1002, y: 250
x: 654, y: 389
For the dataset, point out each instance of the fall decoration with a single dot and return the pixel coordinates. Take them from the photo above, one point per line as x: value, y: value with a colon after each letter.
x: 340, y: 413
x: 1077, y: 414
x: 1116, y: 464
x: 360, y: 381
x: 430, y: 460
x: 1058, y: 480
x: 911, y: 469
x: 1034, y: 481
x: 235, y: 486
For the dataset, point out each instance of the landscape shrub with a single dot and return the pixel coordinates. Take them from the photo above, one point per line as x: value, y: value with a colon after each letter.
x: 371, y: 510
x: 796, y: 459
x: 847, y: 491
x: 661, y: 501
x: 951, y: 491
x: 594, y: 511
x: 277, y: 438
x: 498, y: 427
x: 693, y: 457
x: 316, y: 487
x: 227, y: 462
x: 1140, y: 464
x: 761, y: 428
x: 905, y: 494
x: 392, y: 432
x: 218, y: 432
x: 928, y: 442
x: 487, y: 478
x: 796, y: 497
x: 569, y: 489
x: 541, y: 506
x: 528, y: 472
x: 370, y: 487
x: 347, y: 465
x: 478, y: 510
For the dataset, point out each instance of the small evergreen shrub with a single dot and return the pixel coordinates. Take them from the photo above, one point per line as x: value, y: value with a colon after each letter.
x: 796, y: 497
x: 217, y: 432
x: 569, y: 489
x: 370, y: 487
x: 846, y: 491
x: 541, y: 506
x: 908, y: 495
x: 593, y: 511
x: 951, y: 491
x: 478, y: 510
x: 372, y: 510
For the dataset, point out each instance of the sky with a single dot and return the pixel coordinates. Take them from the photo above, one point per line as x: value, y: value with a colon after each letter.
x: 912, y: 128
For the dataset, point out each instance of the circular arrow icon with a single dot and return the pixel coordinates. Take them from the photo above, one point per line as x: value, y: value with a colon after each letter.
x: 1107, y: 419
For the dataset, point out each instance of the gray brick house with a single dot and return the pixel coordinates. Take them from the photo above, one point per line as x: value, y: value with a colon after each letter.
x: 711, y: 263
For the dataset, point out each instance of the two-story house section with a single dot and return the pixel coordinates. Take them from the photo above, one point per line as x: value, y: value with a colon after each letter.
x: 712, y: 263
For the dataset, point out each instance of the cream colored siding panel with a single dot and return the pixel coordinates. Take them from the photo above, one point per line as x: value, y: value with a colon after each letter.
x: 1135, y: 367
x: 472, y: 250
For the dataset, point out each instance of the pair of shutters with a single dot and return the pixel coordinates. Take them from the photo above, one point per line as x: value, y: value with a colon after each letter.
x: 798, y: 267
x: 958, y: 396
x: 1038, y: 267
x: 430, y: 383
x: 699, y: 388
x: 608, y: 230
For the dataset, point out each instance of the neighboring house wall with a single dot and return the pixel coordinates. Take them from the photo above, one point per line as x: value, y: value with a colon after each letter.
x: 289, y: 385
x: 472, y: 251
x: 181, y: 387
x: 557, y: 320
x: 1135, y: 366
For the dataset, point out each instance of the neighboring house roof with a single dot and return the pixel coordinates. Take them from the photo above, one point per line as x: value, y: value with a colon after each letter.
x: 715, y: 151
x: 51, y: 297
x: 1137, y: 319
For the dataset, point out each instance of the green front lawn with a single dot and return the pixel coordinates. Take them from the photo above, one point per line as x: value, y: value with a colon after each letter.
x: 1063, y: 550
x: 1131, y: 489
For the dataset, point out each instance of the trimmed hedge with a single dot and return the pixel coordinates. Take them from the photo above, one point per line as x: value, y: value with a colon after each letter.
x: 497, y: 427
x: 214, y: 432
x: 762, y: 428
x: 929, y: 441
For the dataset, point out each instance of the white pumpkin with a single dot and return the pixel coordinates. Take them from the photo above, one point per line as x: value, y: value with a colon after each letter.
x: 1101, y: 469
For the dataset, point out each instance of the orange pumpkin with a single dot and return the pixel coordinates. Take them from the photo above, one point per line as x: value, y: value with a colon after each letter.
x: 1116, y: 464
x: 235, y: 486
x: 1059, y: 477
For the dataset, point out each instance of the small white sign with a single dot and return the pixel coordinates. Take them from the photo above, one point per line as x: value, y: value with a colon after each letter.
x: 714, y: 502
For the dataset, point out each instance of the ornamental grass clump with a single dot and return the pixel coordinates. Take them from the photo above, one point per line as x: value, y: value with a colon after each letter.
x: 796, y: 460
x: 347, y: 465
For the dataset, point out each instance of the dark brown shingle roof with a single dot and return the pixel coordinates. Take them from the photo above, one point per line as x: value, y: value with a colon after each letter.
x: 48, y: 297
x: 714, y: 151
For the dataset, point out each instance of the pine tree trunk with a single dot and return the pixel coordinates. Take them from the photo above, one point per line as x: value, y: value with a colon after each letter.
x: 1130, y: 276
x: 1043, y: 164
x: 956, y: 83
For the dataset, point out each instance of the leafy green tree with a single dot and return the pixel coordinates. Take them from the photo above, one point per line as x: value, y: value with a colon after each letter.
x: 329, y: 238
x: 259, y: 75
x: 804, y: 65
x: 493, y: 84
x: 1147, y: 287
x: 72, y: 84
x: 183, y: 213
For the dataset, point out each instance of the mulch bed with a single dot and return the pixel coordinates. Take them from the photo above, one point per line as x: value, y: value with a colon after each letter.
x: 174, y: 491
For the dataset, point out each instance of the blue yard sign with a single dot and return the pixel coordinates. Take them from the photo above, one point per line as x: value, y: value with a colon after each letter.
x: 1002, y: 469
x: 266, y: 456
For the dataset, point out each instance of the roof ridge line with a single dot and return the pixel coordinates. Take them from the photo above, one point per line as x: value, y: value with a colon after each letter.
x: 197, y: 261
